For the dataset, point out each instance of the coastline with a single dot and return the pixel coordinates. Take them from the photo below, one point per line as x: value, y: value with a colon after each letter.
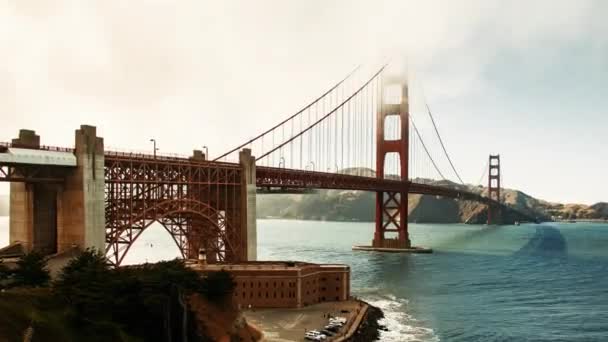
x: 368, y: 328
x: 289, y: 324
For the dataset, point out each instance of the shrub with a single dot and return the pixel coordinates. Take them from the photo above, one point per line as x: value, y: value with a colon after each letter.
x: 31, y: 271
x: 217, y: 286
x: 86, y: 283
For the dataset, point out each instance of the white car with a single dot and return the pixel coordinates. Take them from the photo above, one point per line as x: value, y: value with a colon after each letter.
x: 338, y: 319
x: 314, y: 335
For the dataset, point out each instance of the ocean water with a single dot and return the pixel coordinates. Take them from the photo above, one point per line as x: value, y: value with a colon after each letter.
x: 545, y: 282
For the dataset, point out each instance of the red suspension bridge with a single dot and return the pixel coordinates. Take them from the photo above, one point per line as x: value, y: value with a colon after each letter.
x: 358, y: 135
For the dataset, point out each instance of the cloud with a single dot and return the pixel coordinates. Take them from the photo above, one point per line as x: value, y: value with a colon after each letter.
x: 216, y: 72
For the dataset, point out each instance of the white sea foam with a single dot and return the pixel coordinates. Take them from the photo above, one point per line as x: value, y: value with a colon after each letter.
x: 401, y: 325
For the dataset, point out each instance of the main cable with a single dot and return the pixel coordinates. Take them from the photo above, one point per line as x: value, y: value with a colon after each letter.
x: 425, y: 149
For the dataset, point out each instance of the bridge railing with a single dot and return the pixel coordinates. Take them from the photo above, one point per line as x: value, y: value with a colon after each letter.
x: 144, y: 154
x: 6, y: 145
x: 170, y: 158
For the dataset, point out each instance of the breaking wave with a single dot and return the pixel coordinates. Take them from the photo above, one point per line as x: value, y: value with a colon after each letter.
x: 400, y: 325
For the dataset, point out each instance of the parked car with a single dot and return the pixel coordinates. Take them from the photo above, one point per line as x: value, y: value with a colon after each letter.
x: 328, y: 332
x: 338, y: 319
x: 314, y: 335
x: 332, y: 327
x: 317, y: 332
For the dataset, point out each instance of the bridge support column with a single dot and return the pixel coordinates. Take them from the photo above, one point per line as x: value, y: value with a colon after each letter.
x: 33, y: 208
x: 392, y: 207
x: 51, y: 218
x: 494, y: 213
x: 81, y: 201
x: 248, y: 206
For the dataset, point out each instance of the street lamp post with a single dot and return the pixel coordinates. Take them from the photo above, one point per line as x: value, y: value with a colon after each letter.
x: 281, y: 161
x: 206, y: 152
x: 155, y: 149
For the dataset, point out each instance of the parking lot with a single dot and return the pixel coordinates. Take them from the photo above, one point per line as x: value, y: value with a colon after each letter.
x: 292, y: 324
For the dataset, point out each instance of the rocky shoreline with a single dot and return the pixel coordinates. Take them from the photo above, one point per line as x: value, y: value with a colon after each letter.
x: 369, y: 329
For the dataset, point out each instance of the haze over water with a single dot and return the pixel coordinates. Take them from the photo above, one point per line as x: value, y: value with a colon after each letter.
x: 544, y: 282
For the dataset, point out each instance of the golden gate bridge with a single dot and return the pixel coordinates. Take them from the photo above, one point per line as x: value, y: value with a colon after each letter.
x: 358, y: 135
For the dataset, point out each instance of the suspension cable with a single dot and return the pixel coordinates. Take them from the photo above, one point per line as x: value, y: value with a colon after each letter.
x: 485, y: 170
x: 441, y: 142
x: 347, y: 100
x: 293, y: 116
x: 425, y: 149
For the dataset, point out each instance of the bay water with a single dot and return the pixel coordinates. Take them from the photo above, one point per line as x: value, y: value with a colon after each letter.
x: 546, y: 282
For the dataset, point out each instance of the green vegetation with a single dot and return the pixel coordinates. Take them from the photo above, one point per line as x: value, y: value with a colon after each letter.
x: 93, y: 302
x: 31, y: 271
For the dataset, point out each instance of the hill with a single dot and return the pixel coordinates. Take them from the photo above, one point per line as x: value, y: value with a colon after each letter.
x: 348, y: 205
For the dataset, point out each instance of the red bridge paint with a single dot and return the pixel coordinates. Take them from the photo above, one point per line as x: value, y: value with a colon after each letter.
x: 208, y: 205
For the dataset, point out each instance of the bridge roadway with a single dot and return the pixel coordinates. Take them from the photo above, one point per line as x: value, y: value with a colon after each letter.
x: 288, y: 178
x: 189, y: 196
x: 266, y: 177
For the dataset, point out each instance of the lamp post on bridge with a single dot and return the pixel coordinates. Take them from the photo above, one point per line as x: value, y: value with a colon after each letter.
x: 206, y: 152
x: 281, y: 161
x: 155, y: 149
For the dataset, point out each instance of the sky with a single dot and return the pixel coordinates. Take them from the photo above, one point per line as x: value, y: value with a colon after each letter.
x: 526, y: 79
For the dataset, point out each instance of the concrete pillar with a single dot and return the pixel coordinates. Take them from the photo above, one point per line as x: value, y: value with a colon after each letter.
x: 21, y: 205
x: 44, y: 237
x: 248, y: 205
x: 27, y: 139
x: 81, y: 201
x: 21, y: 215
x: 198, y: 155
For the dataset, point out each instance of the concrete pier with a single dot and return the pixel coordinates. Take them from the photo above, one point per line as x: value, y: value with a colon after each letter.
x: 81, y: 201
x: 52, y: 218
x: 415, y: 250
x: 248, y: 204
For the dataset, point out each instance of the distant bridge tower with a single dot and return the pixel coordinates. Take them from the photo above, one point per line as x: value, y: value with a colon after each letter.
x: 391, y: 207
x: 494, y: 189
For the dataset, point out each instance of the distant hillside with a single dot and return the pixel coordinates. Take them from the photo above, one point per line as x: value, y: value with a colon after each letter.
x: 347, y: 205
x: 579, y: 211
x: 3, y: 205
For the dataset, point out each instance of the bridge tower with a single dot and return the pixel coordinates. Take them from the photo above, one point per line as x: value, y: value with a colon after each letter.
x: 494, y: 189
x: 391, y: 207
x: 54, y: 216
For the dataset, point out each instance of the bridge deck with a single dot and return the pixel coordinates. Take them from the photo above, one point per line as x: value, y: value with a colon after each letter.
x: 28, y: 156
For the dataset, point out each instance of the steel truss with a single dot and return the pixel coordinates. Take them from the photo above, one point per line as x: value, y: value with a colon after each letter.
x: 31, y: 173
x: 198, y: 203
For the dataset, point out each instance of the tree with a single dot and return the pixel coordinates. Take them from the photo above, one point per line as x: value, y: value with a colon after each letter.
x: 216, y: 286
x: 5, y: 272
x: 86, y: 283
x: 31, y: 270
x: 5, y: 275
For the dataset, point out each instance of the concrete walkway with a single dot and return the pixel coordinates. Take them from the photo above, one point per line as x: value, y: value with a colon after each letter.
x: 353, y: 325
